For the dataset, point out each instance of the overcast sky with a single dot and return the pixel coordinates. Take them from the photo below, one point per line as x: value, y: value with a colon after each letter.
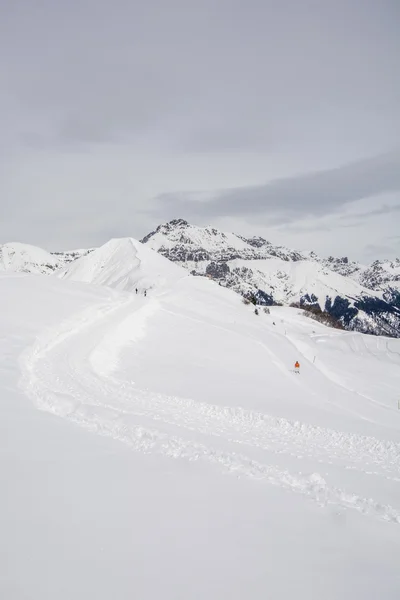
x: 272, y: 117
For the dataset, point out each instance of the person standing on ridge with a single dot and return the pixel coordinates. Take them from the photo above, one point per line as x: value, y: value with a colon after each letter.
x: 297, y: 367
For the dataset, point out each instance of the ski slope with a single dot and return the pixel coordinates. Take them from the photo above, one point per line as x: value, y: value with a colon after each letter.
x: 175, y: 453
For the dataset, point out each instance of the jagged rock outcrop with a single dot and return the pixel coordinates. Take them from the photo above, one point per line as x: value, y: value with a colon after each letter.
x: 381, y: 274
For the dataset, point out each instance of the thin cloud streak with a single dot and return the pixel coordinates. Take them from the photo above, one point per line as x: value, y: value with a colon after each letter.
x: 314, y: 194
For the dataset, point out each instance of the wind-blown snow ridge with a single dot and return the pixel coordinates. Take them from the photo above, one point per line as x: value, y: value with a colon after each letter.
x: 104, y: 358
x: 118, y: 265
x: 58, y: 375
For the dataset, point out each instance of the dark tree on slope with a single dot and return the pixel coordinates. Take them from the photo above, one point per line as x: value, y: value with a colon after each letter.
x: 308, y: 300
x: 392, y: 296
x: 264, y: 299
x: 341, y: 309
x: 218, y: 270
x: 323, y: 317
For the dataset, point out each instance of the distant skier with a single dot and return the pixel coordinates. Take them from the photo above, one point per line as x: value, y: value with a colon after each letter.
x: 145, y: 293
x: 136, y: 290
x: 297, y: 367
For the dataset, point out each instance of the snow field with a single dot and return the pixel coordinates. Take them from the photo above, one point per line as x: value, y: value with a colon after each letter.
x: 241, y: 471
x: 72, y: 374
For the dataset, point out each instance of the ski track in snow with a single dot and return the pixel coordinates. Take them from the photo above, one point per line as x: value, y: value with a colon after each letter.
x: 68, y: 372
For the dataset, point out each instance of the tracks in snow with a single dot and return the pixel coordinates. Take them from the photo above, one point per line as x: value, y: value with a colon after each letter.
x: 67, y: 373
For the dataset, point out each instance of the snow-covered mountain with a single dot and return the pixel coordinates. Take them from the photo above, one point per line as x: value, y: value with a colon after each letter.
x: 68, y: 256
x: 25, y: 258
x: 181, y: 242
x: 362, y: 298
x: 381, y: 275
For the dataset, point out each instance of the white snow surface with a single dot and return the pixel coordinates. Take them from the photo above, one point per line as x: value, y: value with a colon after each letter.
x: 17, y: 257
x: 162, y: 446
x: 117, y: 264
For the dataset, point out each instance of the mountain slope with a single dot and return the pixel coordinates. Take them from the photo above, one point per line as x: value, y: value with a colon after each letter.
x: 361, y: 298
x: 365, y: 299
x: 381, y: 275
x: 169, y: 434
x: 124, y: 264
x: 24, y: 258
x: 179, y: 241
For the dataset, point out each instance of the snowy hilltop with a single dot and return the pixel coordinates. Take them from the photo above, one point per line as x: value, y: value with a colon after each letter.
x: 25, y: 258
x: 123, y: 264
x: 363, y: 298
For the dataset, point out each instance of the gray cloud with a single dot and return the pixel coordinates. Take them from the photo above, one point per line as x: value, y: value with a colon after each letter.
x: 383, y: 210
x: 354, y: 219
x: 315, y: 194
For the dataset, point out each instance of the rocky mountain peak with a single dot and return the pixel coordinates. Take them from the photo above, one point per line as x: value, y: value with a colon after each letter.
x: 167, y: 229
x: 176, y: 223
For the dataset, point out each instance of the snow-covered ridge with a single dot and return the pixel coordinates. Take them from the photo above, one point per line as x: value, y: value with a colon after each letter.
x: 123, y: 264
x: 24, y: 258
x: 68, y: 256
x: 363, y: 298
x: 180, y: 241
x: 183, y: 242
x: 381, y: 274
